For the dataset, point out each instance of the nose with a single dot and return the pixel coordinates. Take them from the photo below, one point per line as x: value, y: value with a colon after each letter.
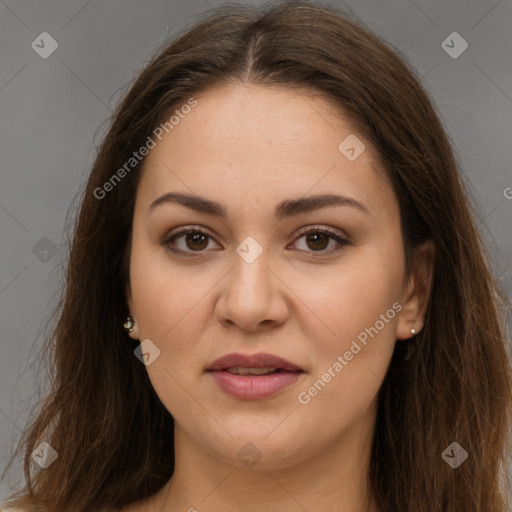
x: 254, y: 296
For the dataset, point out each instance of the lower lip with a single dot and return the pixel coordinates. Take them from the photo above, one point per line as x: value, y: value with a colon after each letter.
x: 254, y: 387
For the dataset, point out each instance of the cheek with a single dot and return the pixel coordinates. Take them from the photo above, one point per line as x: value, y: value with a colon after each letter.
x: 362, y: 309
x: 161, y: 292
x: 169, y: 309
x: 171, y: 314
x: 350, y: 365
x: 344, y: 301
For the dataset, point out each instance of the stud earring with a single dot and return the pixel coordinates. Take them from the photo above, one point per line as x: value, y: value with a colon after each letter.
x: 413, y: 331
x: 129, y: 324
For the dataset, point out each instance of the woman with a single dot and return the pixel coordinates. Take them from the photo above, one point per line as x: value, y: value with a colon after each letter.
x: 277, y: 297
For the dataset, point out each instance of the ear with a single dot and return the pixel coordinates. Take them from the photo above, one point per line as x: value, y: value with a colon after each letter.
x: 417, y: 291
x: 135, y: 334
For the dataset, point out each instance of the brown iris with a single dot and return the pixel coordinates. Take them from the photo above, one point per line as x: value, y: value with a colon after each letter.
x: 315, y: 239
x: 196, y: 238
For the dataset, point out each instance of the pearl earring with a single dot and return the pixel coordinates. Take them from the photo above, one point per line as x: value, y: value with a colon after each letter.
x: 129, y: 324
x: 413, y: 331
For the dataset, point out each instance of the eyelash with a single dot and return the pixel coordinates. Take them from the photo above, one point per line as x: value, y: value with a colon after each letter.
x: 302, y: 232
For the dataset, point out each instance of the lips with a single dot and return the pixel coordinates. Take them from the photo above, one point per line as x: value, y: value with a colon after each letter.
x: 261, y: 360
x: 253, y: 377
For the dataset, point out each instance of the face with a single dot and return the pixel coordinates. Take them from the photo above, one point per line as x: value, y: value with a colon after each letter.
x: 319, y: 284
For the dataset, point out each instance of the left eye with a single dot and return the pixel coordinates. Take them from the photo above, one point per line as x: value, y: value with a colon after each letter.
x: 197, y: 240
x: 318, y: 239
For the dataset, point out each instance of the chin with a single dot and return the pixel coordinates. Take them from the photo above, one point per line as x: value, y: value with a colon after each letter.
x: 265, y: 449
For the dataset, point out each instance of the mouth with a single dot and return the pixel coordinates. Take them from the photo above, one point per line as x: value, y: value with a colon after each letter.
x: 257, y: 364
x: 253, y: 377
x: 240, y: 370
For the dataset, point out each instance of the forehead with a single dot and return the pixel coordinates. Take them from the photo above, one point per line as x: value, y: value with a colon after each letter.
x: 266, y: 143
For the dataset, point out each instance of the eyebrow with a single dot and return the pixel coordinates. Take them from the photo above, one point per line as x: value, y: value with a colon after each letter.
x: 287, y: 208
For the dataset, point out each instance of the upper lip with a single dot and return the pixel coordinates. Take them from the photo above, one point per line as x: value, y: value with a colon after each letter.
x: 261, y: 360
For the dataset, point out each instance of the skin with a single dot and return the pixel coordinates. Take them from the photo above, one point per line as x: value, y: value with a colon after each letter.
x: 250, y: 147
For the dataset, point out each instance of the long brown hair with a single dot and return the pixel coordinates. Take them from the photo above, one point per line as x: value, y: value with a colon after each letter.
x: 113, y: 436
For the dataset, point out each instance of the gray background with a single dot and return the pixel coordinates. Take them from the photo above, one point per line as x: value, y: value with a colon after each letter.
x: 51, y: 111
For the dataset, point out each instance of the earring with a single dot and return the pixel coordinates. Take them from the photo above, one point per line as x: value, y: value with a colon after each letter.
x: 129, y: 324
x: 413, y: 331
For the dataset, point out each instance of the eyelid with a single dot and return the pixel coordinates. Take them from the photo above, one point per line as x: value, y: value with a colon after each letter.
x: 324, y: 229
x: 191, y: 227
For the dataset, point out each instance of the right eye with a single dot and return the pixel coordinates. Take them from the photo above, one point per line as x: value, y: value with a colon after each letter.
x: 195, y: 240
